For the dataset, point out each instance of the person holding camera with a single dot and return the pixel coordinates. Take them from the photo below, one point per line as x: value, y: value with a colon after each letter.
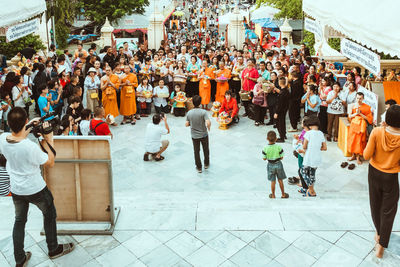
x: 27, y: 185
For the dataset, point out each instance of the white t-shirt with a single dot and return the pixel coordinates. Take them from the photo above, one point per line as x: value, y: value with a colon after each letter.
x: 23, y: 165
x: 336, y: 106
x: 153, y: 137
x: 20, y: 102
x: 85, y: 127
x: 312, y: 157
x: 160, y: 101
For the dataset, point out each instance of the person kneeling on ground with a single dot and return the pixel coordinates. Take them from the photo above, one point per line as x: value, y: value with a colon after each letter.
x: 274, y: 154
x: 154, y: 145
x: 229, y: 105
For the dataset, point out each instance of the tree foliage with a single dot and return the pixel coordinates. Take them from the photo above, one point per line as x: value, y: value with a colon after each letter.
x: 98, y: 10
x: 292, y: 9
x: 64, y: 12
x: 12, y: 48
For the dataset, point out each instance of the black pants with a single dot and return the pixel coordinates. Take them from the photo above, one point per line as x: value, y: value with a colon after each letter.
x: 323, y: 119
x: 294, y: 112
x: 259, y: 113
x: 206, y: 151
x: 213, y: 89
x: 235, y: 86
x: 246, y: 105
x: 281, y: 124
x: 192, y: 89
x: 271, y: 100
x: 383, y: 198
x: 179, y: 112
x: 162, y: 109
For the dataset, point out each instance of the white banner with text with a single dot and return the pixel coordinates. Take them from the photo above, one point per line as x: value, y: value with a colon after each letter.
x: 22, y: 29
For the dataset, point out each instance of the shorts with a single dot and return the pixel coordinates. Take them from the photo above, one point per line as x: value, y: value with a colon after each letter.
x: 275, y: 170
x: 308, y: 174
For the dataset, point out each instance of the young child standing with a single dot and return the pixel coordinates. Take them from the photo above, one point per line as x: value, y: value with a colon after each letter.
x: 314, y: 143
x: 274, y: 154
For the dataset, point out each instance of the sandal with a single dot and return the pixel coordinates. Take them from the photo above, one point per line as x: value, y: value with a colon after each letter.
x: 344, y: 164
x: 293, y: 180
x: 66, y: 248
x: 271, y: 196
x: 309, y: 195
x: 256, y: 124
x: 160, y: 158
x: 123, y: 122
x: 285, y: 196
x: 302, y: 191
x: 133, y: 122
x: 352, y: 166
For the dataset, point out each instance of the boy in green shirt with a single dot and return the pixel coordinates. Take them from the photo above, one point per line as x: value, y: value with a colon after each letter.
x: 274, y: 154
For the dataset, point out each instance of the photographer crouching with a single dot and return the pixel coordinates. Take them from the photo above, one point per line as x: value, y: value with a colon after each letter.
x: 24, y: 159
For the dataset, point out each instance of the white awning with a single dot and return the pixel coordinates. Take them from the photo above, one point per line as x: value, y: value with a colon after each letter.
x: 264, y: 11
x: 226, y: 18
x: 372, y: 23
x: 13, y: 12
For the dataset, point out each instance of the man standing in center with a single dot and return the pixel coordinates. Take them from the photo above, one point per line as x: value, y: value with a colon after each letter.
x: 199, y: 122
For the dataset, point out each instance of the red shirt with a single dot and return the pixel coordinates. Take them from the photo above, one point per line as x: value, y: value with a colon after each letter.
x: 230, y: 107
x: 248, y: 85
x: 102, y: 129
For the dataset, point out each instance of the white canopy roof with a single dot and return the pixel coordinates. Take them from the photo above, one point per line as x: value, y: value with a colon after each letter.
x: 372, y: 23
x: 226, y: 18
x: 13, y: 12
x: 264, y: 11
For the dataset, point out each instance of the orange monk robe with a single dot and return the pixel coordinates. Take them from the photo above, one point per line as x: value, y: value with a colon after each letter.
x: 128, y: 101
x: 222, y: 87
x: 205, y: 86
x: 109, y: 97
x: 357, y: 138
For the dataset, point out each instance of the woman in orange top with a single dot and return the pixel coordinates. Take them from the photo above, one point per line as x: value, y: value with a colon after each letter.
x: 383, y: 149
x: 128, y: 99
x: 357, y: 139
x: 222, y: 85
x: 109, y: 86
x: 206, y: 74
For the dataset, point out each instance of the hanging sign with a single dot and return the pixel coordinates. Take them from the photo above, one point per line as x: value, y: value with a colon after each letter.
x: 313, y: 26
x: 371, y: 99
x: 22, y: 29
x: 361, y: 55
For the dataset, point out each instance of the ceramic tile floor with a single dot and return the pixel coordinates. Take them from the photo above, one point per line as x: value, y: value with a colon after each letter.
x: 173, y: 216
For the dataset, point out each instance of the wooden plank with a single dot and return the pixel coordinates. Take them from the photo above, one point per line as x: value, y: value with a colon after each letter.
x: 94, y: 149
x: 77, y: 182
x: 344, y: 126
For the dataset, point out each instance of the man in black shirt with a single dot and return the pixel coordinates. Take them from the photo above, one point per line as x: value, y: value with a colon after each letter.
x: 141, y: 53
x: 28, y: 52
x: 281, y: 109
x: 109, y: 58
x: 296, y: 92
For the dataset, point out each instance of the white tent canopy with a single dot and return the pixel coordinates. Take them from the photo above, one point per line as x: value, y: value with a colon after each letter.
x: 264, y: 11
x: 226, y: 19
x: 372, y: 23
x: 13, y: 12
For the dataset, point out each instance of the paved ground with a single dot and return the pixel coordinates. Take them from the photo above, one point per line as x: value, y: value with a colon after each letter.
x: 173, y: 216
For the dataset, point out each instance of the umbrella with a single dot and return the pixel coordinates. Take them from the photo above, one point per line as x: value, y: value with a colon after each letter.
x: 251, y: 35
x: 178, y: 13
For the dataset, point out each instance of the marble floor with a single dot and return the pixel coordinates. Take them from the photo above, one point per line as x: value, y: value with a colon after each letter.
x: 173, y: 216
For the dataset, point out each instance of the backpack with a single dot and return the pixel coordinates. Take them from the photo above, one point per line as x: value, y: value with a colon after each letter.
x: 92, y: 131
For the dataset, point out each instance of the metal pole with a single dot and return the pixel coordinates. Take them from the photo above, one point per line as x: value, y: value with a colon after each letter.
x: 53, y: 23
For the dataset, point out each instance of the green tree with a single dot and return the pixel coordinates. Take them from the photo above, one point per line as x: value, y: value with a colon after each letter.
x: 12, y: 48
x: 292, y: 9
x: 64, y: 12
x: 98, y: 10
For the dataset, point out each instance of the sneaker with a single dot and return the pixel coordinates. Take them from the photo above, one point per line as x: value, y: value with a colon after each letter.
x: 146, y: 157
x: 280, y: 140
x: 61, y: 250
x: 199, y: 170
x: 206, y: 166
x: 28, y: 256
x: 291, y: 130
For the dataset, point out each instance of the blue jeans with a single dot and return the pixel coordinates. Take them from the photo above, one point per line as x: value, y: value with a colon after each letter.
x: 44, y: 201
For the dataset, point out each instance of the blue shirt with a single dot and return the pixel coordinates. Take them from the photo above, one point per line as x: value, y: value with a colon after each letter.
x: 313, y: 99
x: 42, y: 102
x: 266, y: 75
x: 54, y: 95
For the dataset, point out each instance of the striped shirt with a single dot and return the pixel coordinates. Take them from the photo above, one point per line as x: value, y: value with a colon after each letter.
x: 4, y: 182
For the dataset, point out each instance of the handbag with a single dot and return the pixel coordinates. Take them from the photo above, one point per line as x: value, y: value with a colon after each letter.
x: 129, y: 90
x: 94, y: 94
x: 108, y: 91
x: 258, y: 100
x: 4, y: 182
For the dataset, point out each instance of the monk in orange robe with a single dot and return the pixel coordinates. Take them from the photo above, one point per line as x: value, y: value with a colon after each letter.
x: 222, y: 86
x: 109, y: 86
x: 129, y: 83
x: 357, y: 138
x: 206, y: 74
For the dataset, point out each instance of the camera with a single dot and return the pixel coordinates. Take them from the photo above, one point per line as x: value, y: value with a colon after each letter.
x: 38, y: 129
